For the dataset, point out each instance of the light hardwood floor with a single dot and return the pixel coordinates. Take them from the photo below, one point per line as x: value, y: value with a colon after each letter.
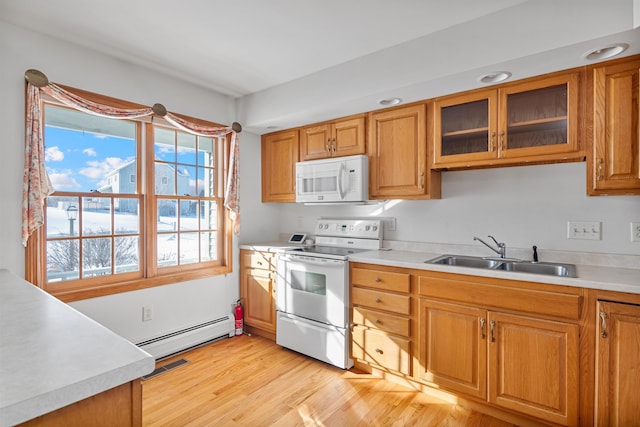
x: 251, y: 381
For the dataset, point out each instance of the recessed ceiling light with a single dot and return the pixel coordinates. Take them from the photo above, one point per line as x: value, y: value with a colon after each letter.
x: 495, y: 77
x: 387, y: 102
x: 606, y: 52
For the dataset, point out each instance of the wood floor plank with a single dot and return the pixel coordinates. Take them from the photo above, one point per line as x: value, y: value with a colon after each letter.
x: 251, y: 381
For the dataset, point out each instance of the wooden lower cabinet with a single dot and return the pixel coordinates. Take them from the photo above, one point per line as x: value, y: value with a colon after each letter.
x: 521, y: 363
x: 379, y: 348
x: 258, y: 291
x: 381, y: 308
x: 453, y: 347
x: 618, y: 364
x: 119, y: 406
x: 533, y: 367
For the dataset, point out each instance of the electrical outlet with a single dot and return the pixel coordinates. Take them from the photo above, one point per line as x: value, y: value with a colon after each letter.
x: 584, y: 230
x: 147, y: 313
x: 635, y: 231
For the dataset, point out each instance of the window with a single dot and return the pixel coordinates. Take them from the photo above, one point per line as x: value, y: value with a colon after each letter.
x: 137, y: 203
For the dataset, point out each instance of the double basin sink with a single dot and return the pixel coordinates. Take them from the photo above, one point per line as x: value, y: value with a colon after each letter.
x: 506, y: 264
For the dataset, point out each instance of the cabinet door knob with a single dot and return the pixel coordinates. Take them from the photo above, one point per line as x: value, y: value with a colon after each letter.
x: 379, y: 322
x: 378, y: 280
x: 492, y: 143
x: 378, y: 300
x: 482, y: 321
x: 379, y: 351
x: 502, y: 141
x: 492, y: 324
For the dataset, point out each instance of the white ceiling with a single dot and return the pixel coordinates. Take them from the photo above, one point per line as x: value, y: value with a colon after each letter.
x: 290, y: 62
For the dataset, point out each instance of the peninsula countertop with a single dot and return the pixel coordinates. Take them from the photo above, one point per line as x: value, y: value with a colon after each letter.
x: 51, y: 355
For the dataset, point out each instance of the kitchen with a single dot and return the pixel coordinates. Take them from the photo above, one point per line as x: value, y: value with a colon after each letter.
x: 474, y: 202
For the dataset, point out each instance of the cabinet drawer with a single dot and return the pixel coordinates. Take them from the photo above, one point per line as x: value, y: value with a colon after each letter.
x: 261, y: 260
x: 378, y: 348
x: 504, y: 296
x: 383, y: 321
x: 387, y: 280
x: 381, y: 300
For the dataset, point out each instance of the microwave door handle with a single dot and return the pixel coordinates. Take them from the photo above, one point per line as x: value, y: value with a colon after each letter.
x: 341, y: 172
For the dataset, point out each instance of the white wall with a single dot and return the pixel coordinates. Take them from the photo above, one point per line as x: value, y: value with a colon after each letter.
x: 521, y: 206
x: 174, y: 306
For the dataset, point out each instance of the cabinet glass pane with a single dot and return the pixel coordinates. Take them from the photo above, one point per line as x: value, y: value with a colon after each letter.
x: 537, y: 117
x: 465, y: 128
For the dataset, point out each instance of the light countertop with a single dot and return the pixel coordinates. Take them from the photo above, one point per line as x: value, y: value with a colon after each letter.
x: 610, y: 274
x: 595, y: 277
x: 51, y: 355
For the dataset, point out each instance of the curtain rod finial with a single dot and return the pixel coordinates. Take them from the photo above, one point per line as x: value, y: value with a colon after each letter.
x: 236, y: 127
x: 159, y: 110
x: 36, y: 78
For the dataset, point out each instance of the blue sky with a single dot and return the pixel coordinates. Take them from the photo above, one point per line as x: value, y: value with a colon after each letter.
x: 79, y: 161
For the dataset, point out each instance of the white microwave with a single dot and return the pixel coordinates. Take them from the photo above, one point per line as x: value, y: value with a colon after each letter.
x: 335, y: 180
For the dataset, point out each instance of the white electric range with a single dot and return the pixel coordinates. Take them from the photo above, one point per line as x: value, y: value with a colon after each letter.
x: 312, y: 289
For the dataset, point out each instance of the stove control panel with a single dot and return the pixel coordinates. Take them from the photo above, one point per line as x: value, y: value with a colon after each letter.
x: 360, y: 228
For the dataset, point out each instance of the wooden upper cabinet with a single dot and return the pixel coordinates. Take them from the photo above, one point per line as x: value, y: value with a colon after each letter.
x: 533, y: 121
x: 333, y: 139
x: 397, y: 148
x: 614, y: 164
x: 279, y: 157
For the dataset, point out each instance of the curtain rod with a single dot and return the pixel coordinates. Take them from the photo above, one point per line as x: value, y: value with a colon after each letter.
x: 39, y: 79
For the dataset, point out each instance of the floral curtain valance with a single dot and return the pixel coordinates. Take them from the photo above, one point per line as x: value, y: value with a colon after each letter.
x: 36, y: 184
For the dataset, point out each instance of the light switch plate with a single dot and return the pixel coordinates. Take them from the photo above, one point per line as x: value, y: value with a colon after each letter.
x: 584, y: 230
x: 635, y: 231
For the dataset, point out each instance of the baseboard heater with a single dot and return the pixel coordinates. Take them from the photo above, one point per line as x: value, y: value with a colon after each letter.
x: 183, y: 339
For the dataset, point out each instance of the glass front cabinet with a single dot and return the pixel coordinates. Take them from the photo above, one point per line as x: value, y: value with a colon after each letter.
x: 531, y: 121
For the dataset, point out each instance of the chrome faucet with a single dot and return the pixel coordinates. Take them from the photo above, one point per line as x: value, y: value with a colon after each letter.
x: 502, y: 248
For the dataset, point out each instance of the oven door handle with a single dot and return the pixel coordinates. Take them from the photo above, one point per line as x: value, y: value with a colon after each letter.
x: 310, y: 260
x: 286, y: 318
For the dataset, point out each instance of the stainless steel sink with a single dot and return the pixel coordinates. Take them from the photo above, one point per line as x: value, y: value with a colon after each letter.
x: 465, y: 261
x: 545, y: 268
x: 551, y: 269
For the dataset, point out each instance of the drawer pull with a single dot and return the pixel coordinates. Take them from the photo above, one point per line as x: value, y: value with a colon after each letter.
x: 379, y: 351
x: 482, y: 321
x: 378, y: 300
x: 379, y: 322
x: 603, y: 332
x: 600, y: 176
x: 378, y: 280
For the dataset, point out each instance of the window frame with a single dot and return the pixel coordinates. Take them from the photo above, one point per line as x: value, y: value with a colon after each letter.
x: 149, y: 275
